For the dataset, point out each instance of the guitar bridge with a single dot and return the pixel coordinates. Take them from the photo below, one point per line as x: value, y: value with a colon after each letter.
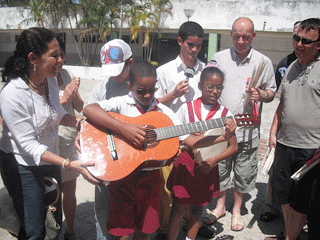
x: 112, y: 145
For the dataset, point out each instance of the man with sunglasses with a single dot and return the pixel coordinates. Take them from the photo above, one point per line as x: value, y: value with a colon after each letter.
x: 272, y: 208
x: 116, y: 59
x: 295, y: 134
x: 287, y: 60
x: 238, y: 64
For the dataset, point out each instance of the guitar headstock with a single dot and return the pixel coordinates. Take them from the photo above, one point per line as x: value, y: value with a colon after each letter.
x: 246, y: 119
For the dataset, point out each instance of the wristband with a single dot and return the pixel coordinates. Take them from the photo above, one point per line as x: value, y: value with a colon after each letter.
x: 266, y: 97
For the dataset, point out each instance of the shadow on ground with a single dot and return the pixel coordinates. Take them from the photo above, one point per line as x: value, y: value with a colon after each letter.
x: 85, y: 222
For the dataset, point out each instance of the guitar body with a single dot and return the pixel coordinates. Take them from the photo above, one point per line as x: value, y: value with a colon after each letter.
x: 95, y: 147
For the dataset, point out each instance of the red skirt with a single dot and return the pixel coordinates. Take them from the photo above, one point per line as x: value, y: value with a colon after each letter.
x: 188, y: 185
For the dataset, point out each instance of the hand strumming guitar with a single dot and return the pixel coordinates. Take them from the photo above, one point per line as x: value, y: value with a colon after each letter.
x: 134, y: 133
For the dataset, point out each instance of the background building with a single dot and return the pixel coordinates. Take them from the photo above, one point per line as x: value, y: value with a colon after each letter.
x: 273, y: 21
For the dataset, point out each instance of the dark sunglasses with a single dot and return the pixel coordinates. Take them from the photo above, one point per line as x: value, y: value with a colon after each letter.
x: 304, y: 41
x: 142, y: 91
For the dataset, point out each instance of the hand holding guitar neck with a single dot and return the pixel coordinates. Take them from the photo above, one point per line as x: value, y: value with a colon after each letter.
x: 189, y: 73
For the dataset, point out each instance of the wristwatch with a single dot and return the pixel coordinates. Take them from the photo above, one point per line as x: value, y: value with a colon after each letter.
x: 266, y: 97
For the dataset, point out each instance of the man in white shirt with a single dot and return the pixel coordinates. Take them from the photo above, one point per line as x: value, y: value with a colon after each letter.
x: 238, y: 64
x: 174, y: 87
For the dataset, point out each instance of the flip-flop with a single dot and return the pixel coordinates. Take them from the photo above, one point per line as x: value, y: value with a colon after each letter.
x: 236, y: 220
x: 210, y: 218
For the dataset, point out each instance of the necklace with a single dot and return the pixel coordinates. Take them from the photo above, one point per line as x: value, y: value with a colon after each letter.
x: 37, y: 86
x: 305, y: 73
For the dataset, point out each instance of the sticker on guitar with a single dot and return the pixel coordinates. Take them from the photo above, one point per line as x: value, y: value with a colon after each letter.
x: 115, y: 158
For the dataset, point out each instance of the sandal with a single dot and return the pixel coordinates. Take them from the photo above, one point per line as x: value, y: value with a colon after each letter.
x: 211, y: 218
x: 268, y: 217
x: 70, y: 236
x: 236, y: 221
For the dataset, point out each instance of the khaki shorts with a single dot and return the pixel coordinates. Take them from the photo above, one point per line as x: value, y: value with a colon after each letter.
x: 68, y: 150
x: 244, y: 164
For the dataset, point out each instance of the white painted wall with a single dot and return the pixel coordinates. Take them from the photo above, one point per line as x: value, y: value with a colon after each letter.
x: 279, y: 15
x: 88, y: 73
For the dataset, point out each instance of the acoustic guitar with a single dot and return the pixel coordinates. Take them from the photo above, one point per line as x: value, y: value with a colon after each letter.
x: 115, y: 158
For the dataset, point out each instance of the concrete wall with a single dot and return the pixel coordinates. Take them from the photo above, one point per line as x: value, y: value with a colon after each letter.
x: 279, y: 15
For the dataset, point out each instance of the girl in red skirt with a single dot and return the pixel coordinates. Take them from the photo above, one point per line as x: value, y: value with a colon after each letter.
x: 194, y: 185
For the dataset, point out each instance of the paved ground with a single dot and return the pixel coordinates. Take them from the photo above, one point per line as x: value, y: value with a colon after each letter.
x: 251, y: 209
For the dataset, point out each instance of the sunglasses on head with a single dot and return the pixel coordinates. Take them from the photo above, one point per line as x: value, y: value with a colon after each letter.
x: 142, y: 91
x: 304, y: 41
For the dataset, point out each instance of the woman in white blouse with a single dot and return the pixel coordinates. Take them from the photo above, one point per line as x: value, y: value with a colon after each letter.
x: 31, y: 112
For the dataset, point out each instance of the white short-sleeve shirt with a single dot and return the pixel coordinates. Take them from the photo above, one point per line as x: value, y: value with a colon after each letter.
x: 170, y: 74
x: 126, y: 105
x: 236, y: 78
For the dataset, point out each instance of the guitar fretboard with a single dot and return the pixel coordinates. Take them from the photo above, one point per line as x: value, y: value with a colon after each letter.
x: 180, y: 130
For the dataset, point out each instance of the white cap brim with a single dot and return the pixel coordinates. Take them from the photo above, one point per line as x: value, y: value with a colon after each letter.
x: 112, y: 70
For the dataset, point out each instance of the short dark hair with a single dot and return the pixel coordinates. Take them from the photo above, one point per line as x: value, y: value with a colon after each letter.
x: 141, y: 69
x: 34, y: 40
x: 311, y: 24
x: 190, y: 29
x: 210, y: 71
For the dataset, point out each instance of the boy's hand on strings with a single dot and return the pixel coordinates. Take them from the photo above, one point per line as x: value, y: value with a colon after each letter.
x: 230, y: 128
x: 135, y: 134
x: 181, y: 88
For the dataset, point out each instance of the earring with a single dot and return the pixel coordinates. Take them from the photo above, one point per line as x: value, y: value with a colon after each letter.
x: 35, y: 67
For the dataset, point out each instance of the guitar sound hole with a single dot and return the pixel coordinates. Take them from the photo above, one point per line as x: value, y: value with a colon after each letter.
x: 151, y: 137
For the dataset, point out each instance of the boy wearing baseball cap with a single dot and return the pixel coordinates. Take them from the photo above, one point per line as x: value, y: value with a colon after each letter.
x: 116, y: 59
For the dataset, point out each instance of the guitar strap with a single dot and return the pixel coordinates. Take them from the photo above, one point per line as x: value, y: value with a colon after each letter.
x: 224, y: 112
x: 190, y: 111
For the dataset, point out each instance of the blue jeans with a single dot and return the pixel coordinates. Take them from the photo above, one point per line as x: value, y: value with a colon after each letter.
x: 25, y: 185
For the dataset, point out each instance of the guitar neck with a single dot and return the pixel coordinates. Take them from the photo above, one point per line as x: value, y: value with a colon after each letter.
x: 180, y: 130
